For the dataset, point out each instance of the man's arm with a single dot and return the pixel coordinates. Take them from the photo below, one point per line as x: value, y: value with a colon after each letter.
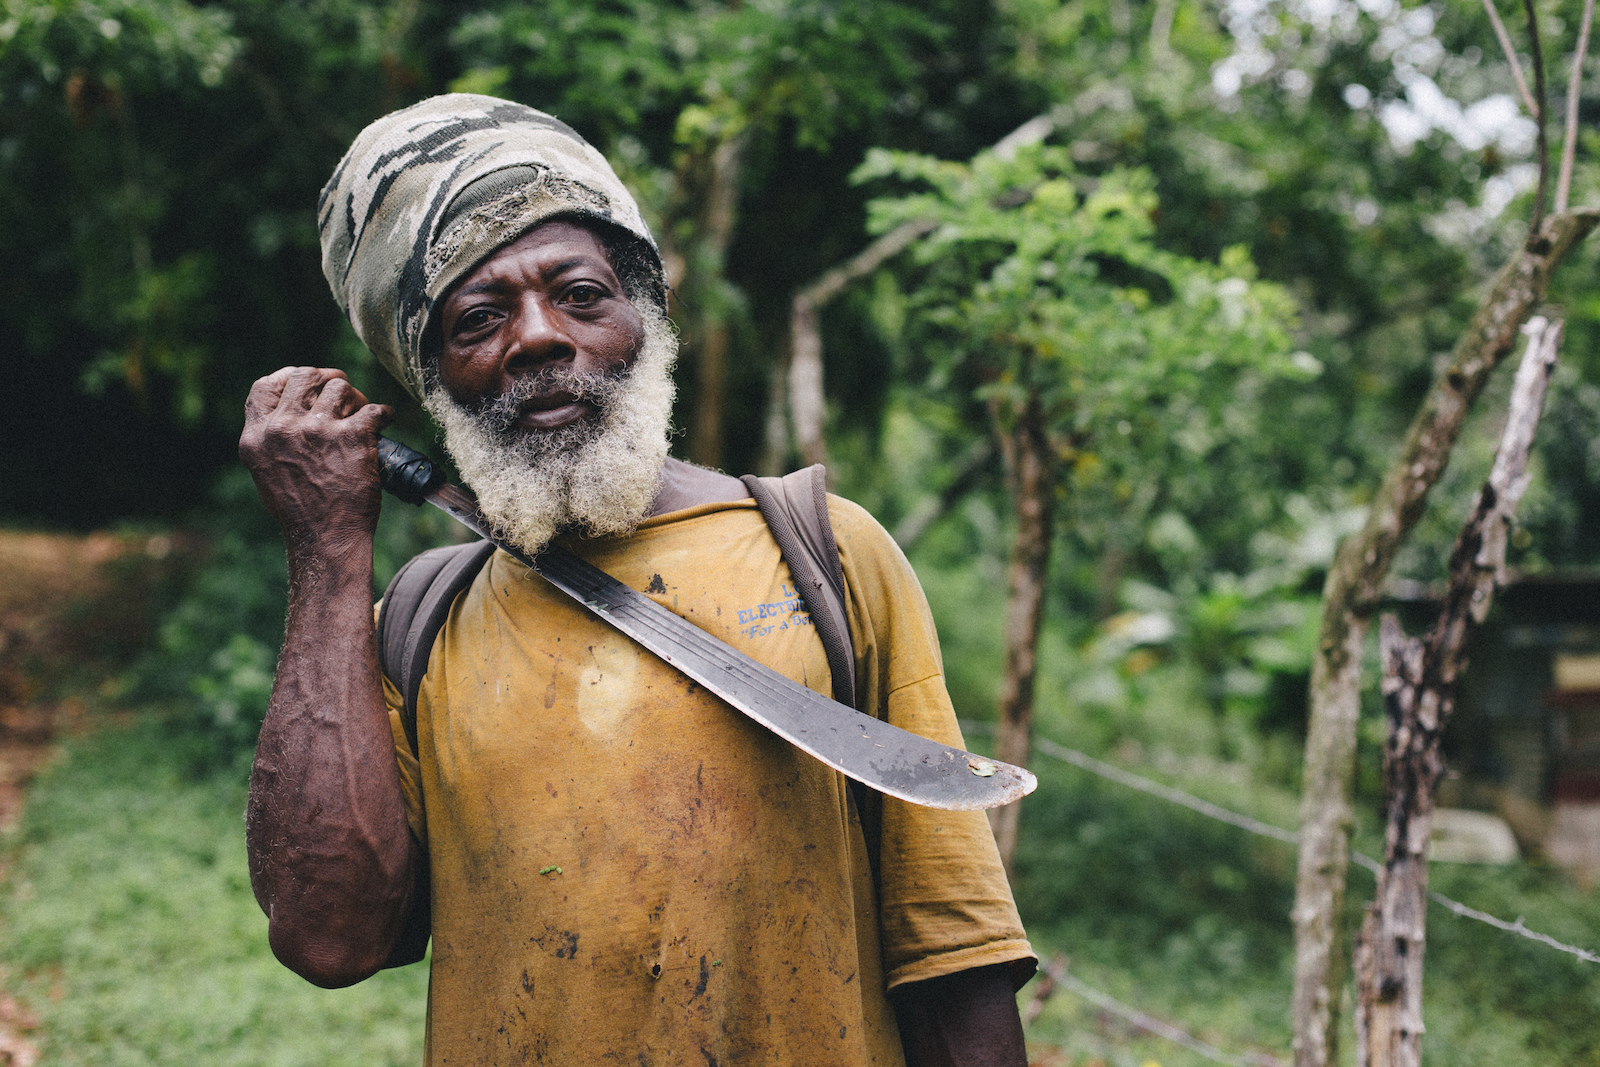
x: 331, y: 855
x: 966, y: 1019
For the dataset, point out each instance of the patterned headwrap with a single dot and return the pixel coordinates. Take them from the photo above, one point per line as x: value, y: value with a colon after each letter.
x: 426, y: 194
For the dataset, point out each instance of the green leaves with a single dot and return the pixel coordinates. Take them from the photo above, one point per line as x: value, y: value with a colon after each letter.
x: 716, y: 67
x: 1040, y: 283
x: 149, y: 41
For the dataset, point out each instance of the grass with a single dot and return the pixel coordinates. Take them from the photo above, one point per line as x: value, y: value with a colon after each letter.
x: 128, y: 925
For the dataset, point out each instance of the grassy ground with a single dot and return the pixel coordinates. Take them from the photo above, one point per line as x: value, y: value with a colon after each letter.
x: 128, y: 926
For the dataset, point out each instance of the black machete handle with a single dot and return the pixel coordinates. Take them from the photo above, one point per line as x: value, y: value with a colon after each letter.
x: 405, y: 472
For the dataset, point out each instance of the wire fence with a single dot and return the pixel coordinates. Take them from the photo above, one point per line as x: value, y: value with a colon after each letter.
x: 1058, y: 974
x: 1113, y: 773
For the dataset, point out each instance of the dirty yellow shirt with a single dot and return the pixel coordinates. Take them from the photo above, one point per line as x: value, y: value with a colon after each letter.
x: 624, y: 869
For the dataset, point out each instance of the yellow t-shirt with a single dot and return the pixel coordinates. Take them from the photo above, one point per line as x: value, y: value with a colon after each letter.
x: 624, y: 869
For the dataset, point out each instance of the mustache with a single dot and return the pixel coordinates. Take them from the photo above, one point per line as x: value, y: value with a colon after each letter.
x: 600, y: 388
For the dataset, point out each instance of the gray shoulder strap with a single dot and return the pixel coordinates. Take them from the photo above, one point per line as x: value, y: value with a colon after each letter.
x: 414, y: 609
x: 796, y: 510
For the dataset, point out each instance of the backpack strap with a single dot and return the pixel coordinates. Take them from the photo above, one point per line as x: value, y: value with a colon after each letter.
x: 796, y: 509
x: 414, y: 609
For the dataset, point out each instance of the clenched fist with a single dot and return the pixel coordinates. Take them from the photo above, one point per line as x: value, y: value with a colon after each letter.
x: 310, y: 441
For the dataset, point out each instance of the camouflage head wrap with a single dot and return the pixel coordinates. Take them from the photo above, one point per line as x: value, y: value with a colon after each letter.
x: 425, y: 194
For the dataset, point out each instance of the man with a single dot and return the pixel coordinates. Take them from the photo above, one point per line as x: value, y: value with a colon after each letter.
x: 621, y: 867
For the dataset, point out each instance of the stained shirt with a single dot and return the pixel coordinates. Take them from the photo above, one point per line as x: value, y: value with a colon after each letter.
x: 625, y: 869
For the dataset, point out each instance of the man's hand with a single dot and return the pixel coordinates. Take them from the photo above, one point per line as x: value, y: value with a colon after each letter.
x: 310, y: 441
x: 331, y: 856
x: 966, y: 1019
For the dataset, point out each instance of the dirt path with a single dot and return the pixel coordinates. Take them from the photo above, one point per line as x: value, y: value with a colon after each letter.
x: 70, y: 608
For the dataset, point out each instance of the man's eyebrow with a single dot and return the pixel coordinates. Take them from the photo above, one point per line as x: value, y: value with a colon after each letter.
x: 490, y: 287
x: 576, y: 262
x: 497, y: 286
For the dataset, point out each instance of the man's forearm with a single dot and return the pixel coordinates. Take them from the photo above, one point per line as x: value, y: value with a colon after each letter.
x: 330, y: 852
x: 966, y: 1019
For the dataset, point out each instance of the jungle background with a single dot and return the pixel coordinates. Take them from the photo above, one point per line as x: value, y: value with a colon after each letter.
x: 1332, y: 181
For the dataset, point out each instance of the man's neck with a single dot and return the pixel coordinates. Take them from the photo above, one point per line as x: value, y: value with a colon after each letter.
x: 685, y: 485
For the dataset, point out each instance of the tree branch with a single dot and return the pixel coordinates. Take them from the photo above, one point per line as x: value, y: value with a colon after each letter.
x: 909, y: 530
x: 807, y: 406
x: 1511, y: 56
x: 1537, y: 222
x: 1569, y: 141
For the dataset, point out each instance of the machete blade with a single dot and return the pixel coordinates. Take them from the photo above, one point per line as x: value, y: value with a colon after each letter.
x: 886, y: 758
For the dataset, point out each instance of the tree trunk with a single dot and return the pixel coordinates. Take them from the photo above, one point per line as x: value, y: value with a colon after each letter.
x: 1028, y: 463
x: 1419, y: 687
x: 775, y: 439
x: 807, y: 404
x: 708, y: 340
x: 1350, y: 596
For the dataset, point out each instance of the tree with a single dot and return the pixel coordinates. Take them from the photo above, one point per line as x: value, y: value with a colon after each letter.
x: 1350, y: 597
x: 1049, y: 314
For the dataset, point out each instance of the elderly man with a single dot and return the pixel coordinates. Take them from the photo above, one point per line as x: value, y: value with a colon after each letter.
x: 619, y: 867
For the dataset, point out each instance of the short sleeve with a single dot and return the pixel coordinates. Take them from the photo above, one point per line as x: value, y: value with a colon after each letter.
x: 945, y: 904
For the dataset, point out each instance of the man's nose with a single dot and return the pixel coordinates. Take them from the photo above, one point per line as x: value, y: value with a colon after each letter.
x: 540, y: 336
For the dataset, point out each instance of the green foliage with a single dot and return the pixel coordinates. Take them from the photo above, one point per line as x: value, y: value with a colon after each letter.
x: 129, y: 927
x: 217, y: 647
x: 1042, y: 289
x: 718, y: 68
x: 1147, y: 364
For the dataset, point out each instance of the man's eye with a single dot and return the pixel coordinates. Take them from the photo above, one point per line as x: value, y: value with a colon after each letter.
x: 475, y: 319
x: 584, y: 293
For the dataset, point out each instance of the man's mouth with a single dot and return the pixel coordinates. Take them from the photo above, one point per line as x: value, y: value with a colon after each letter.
x: 552, y: 411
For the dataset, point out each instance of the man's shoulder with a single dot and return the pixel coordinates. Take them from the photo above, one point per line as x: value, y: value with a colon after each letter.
x: 686, y: 485
x: 862, y: 537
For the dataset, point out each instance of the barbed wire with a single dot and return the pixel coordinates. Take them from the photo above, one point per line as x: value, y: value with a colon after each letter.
x: 1111, y: 772
x: 1160, y: 1027
x: 1512, y: 928
x: 1165, y: 792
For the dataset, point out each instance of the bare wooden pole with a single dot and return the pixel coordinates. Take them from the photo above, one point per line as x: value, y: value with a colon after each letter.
x: 1419, y: 689
x: 1349, y: 599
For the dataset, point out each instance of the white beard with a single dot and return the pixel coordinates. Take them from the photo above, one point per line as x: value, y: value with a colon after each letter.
x: 598, y: 476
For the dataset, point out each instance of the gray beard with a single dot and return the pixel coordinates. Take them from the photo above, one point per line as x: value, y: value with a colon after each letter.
x: 597, y: 476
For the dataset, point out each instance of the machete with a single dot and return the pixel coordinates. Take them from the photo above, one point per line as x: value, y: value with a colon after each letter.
x: 893, y: 761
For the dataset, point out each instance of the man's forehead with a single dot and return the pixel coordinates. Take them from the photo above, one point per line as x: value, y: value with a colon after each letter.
x: 549, y: 250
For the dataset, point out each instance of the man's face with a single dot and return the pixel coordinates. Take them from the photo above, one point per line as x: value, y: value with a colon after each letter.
x: 547, y: 302
x: 553, y: 389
